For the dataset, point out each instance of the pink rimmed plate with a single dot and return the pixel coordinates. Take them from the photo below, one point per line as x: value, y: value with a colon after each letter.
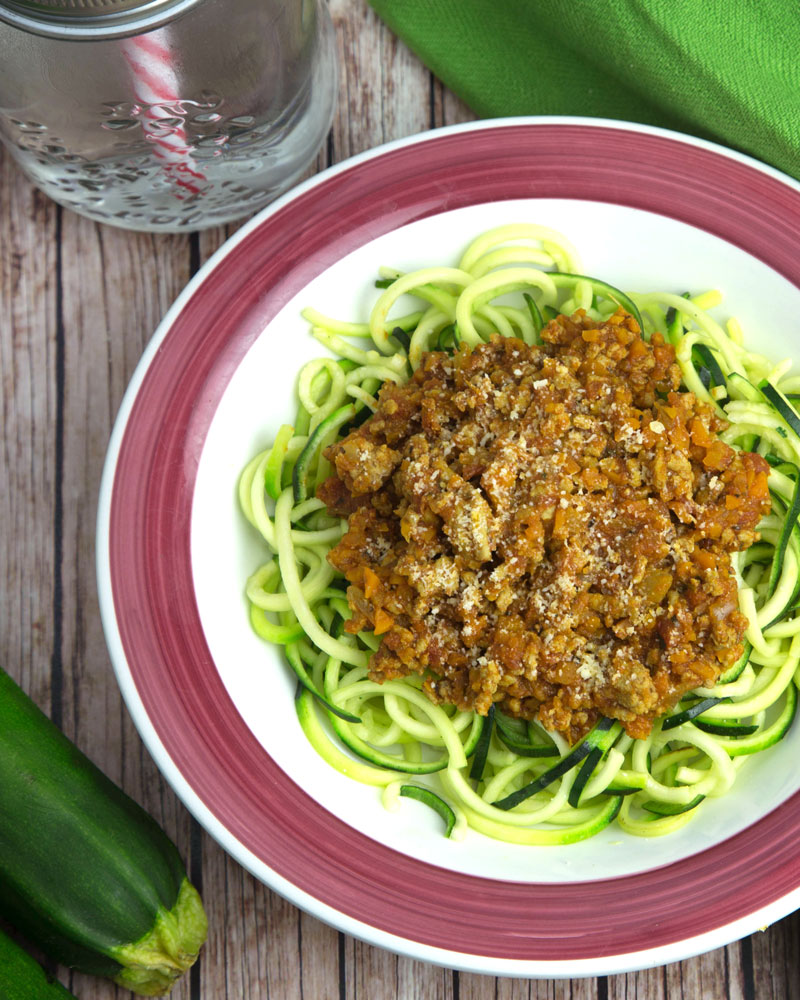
x: 648, y: 209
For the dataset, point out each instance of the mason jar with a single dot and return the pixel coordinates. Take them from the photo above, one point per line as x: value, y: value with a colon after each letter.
x: 165, y: 115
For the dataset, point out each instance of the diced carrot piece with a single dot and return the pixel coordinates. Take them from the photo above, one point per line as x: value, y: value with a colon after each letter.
x: 383, y: 622
x: 656, y: 585
x: 704, y: 559
x: 371, y: 582
x: 718, y: 456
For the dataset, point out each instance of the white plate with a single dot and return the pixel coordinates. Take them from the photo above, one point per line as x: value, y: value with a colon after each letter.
x: 647, y: 210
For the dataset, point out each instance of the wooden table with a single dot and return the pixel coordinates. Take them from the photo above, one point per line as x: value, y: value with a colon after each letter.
x: 78, y: 302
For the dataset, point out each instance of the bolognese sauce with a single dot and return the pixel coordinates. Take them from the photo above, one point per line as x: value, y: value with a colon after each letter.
x: 548, y: 528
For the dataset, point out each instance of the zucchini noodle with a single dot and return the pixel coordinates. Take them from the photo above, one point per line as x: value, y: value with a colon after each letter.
x: 508, y: 778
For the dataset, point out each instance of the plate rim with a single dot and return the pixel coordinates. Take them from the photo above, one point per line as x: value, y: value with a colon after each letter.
x: 603, y: 965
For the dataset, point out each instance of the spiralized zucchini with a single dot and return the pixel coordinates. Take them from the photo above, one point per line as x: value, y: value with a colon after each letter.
x: 503, y: 777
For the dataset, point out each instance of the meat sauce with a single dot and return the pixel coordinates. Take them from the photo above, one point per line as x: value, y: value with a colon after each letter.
x: 548, y: 528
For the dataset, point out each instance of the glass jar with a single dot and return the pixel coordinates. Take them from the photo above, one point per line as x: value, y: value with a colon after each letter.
x: 165, y: 115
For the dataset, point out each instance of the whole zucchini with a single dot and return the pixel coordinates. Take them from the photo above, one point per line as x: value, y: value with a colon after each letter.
x: 85, y: 872
x: 21, y: 978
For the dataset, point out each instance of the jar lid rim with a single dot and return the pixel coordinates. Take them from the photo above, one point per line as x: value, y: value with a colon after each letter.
x: 90, y: 18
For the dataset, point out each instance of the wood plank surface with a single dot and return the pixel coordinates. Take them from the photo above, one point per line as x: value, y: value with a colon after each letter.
x: 78, y: 303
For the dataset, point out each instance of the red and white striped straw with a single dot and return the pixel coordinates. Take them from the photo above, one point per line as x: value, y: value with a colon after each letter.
x: 156, y: 89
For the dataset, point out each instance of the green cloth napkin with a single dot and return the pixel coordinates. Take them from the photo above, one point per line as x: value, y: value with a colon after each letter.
x: 727, y: 70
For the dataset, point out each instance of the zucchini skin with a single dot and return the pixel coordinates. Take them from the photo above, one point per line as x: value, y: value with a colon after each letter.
x: 83, y: 868
x: 22, y: 978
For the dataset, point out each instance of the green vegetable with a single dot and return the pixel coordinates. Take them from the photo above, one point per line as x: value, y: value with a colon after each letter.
x: 672, y: 808
x: 601, y: 736
x: 536, y: 315
x: 85, y: 873
x: 602, y: 288
x: 482, y: 746
x: 434, y: 801
x: 330, y: 424
x: 709, y: 364
x: 21, y: 978
x: 687, y: 714
x: 274, y: 466
x: 517, y: 736
x: 735, y: 672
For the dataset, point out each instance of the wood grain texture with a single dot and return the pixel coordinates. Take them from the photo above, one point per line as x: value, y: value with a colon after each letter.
x: 78, y: 303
